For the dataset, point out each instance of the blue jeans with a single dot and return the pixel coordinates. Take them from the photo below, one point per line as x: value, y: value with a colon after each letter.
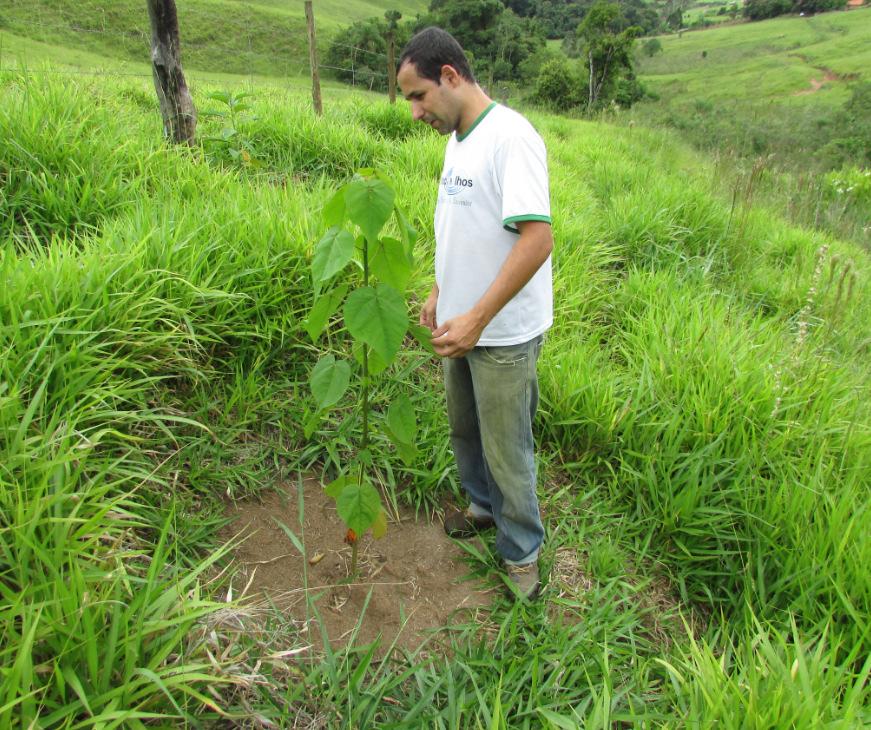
x: 492, y: 394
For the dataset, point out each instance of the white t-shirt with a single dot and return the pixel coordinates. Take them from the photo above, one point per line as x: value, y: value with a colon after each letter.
x: 494, y: 176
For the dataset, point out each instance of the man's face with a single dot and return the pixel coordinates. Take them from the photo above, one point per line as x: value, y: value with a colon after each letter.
x: 432, y: 103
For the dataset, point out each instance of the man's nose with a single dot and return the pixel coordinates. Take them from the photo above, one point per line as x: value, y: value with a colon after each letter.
x: 416, y: 111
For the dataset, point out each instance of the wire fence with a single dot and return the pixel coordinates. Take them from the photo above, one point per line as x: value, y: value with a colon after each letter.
x: 248, y: 61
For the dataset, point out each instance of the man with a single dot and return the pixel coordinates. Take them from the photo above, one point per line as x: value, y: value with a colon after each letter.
x: 492, y: 299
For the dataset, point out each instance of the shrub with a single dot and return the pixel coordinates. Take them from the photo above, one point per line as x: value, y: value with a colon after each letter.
x: 559, y: 85
x: 652, y: 46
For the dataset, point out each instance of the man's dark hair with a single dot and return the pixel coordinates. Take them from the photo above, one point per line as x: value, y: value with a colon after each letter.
x: 433, y: 48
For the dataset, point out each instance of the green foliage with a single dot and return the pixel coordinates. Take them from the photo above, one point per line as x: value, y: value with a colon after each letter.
x: 50, y: 189
x: 705, y: 432
x: 604, y: 41
x: 230, y: 144
x: 852, y: 183
x: 270, y: 39
x: 266, y: 43
x: 731, y: 108
x: 559, y: 85
x: 651, y: 47
x: 557, y: 18
x: 851, y: 129
x: 497, y: 40
x: 375, y: 317
x: 763, y: 9
x: 358, y: 53
x: 675, y: 19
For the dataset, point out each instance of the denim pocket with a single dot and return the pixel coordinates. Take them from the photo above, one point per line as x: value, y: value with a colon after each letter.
x: 505, y: 355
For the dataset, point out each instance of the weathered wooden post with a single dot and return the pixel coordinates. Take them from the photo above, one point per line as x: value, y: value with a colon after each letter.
x: 313, y: 58
x: 391, y: 66
x: 176, y: 105
x: 393, y: 17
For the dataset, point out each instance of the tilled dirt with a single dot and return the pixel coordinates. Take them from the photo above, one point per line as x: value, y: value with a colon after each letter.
x: 414, y: 578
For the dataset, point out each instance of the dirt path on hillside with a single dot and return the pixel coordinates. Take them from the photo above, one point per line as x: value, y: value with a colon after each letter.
x: 829, y: 75
x: 414, y: 579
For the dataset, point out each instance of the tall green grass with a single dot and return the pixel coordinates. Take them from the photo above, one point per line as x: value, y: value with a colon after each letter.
x: 704, y: 425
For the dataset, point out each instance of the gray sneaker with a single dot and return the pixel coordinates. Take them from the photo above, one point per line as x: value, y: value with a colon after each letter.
x: 523, y: 580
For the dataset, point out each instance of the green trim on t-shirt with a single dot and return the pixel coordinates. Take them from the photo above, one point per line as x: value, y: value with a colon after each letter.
x: 520, y: 218
x: 461, y: 137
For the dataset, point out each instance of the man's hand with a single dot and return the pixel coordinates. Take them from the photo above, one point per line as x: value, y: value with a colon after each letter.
x: 428, y: 311
x: 458, y: 335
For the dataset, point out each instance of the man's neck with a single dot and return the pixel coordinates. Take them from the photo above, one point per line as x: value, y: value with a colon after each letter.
x: 475, y: 106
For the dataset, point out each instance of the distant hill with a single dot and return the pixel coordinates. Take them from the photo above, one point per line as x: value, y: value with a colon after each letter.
x: 791, y: 60
x: 792, y: 94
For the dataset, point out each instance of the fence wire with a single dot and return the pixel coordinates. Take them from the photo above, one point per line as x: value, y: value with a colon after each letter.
x: 354, y: 71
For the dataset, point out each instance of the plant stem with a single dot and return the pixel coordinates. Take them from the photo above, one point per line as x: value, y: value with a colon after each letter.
x: 365, y: 403
x: 354, y: 559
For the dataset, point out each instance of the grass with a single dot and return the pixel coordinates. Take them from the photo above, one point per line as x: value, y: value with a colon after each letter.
x: 705, y: 431
x: 271, y: 41
x: 782, y: 46
x: 766, y: 100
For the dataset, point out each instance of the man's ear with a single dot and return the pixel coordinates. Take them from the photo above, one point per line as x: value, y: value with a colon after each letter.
x: 450, y: 76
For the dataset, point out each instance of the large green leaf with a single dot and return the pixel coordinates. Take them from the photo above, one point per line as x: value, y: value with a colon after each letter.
x: 375, y: 363
x: 323, y: 309
x: 332, y: 253
x: 329, y: 380
x: 408, y: 233
x: 335, y: 487
x: 334, y: 210
x: 369, y: 204
x: 389, y: 262
x: 423, y: 335
x: 377, y: 316
x: 359, y: 506
x: 402, y: 420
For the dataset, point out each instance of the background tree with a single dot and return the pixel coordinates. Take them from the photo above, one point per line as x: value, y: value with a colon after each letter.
x: 763, y: 9
x: 560, y: 85
x: 559, y: 18
x: 358, y: 53
x: 652, y: 46
x: 176, y: 104
x: 605, y: 41
x: 496, y: 38
x: 675, y: 19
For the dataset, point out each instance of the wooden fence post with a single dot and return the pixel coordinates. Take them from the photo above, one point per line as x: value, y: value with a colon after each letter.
x: 176, y: 105
x: 313, y: 58
x: 391, y: 66
x: 393, y: 17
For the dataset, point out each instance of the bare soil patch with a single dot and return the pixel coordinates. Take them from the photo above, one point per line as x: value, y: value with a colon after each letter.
x: 828, y: 76
x: 414, y: 578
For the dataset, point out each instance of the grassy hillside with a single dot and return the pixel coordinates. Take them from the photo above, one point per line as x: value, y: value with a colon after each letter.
x: 265, y: 37
x: 770, y: 61
x: 705, y: 432
x: 786, y: 102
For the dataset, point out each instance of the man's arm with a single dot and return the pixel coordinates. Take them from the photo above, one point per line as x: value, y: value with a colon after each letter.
x: 460, y: 334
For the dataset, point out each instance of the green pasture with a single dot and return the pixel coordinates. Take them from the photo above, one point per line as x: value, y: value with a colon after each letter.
x: 264, y: 38
x: 707, y: 11
x: 765, y: 61
x: 341, y: 12
x: 705, y: 430
x: 786, y: 94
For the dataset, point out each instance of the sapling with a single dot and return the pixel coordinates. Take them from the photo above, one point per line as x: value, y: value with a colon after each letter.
x: 376, y: 318
x: 231, y: 141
